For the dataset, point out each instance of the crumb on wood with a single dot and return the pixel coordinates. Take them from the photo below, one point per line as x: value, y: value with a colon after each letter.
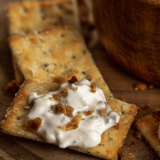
x: 11, y: 87
x: 131, y: 155
x: 138, y: 135
x: 133, y: 144
x: 156, y: 115
x: 140, y: 87
x: 151, y: 86
x: 144, y: 107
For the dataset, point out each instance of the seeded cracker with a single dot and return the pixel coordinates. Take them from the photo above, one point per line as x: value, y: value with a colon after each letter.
x: 50, y: 47
x: 148, y: 126
x: 112, y: 139
x: 72, y: 45
x: 34, y: 16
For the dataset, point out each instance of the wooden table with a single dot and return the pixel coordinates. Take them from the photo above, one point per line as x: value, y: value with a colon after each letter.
x: 120, y: 83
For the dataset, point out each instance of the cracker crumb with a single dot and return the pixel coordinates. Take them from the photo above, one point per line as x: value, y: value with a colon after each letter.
x: 151, y: 86
x: 140, y: 87
x: 131, y: 155
x: 104, y: 112
x: 33, y: 124
x: 59, y: 108
x: 76, y: 88
x: 133, y: 144
x: 88, y: 113
x: 79, y: 112
x: 138, y: 135
x: 69, y: 111
x: 156, y: 115
x: 144, y: 107
x: 11, y: 87
x: 44, y: 96
x: 51, y: 98
x: 57, y: 133
x: 73, y: 80
x: 93, y: 88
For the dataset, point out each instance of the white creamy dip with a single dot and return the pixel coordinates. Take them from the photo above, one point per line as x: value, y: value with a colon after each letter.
x: 88, y: 133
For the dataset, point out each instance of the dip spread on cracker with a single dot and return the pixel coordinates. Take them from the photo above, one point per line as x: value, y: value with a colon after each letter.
x: 75, y: 115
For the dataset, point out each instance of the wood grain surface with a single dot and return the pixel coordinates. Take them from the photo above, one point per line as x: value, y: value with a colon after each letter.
x: 120, y: 83
x: 130, y: 32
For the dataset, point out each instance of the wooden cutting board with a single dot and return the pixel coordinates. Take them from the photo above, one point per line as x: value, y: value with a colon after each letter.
x: 120, y: 83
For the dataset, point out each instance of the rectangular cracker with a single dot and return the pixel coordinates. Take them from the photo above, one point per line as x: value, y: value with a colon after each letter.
x: 112, y: 139
x: 25, y: 17
x: 148, y: 126
x: 56, y: 52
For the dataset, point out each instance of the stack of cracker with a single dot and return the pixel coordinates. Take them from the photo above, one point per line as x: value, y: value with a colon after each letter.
x: 48, y: 49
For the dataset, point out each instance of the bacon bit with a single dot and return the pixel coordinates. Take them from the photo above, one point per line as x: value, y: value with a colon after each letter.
x: 33, y: 124
x: 138, y: 136
x: 88, y: 113
x: 79, y: 112
x: 59, y: 108
x: 73, y: 80
x: 141, y: 87
x: 104, y: 112
x: 50, y: 98
x: 57, y: 133
x: 117, y: 126
x: 64, y: 127
x: 71, y: 125
x: 74, y: 123
x: 93, y: 88
x: 156, y: 115
x: 56, y: 97
x: 76, y: 88
x: 69, y: 111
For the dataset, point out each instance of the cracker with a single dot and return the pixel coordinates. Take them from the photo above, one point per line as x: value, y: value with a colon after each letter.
x: 148, y: 126
x: 112, y: 139
x: 58, y: 52
x: 25, y: 17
